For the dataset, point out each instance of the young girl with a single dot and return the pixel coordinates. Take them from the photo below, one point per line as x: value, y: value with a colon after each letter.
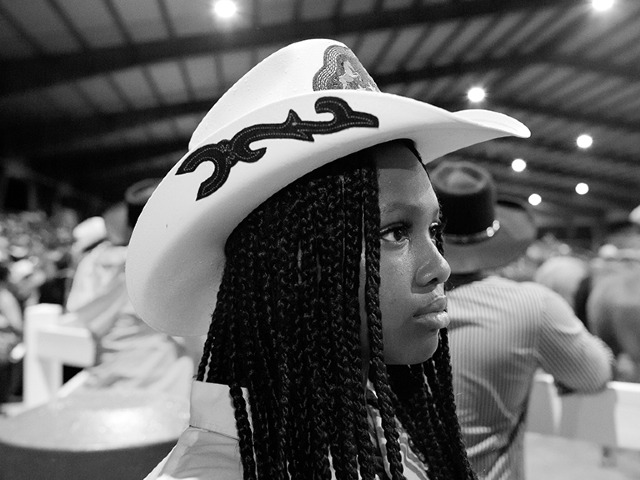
x: 310, y: 255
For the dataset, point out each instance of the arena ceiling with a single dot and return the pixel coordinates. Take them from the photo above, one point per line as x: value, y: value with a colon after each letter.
x: 96, y: 94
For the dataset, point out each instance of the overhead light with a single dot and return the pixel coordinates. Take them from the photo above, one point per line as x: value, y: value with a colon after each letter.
x: 584, y: 141
x: 518, y: 165
x: 602, y: 5
x: 225, y: 8
x: 582, y: 188
x: 476, y: 94
x: 535, y: 199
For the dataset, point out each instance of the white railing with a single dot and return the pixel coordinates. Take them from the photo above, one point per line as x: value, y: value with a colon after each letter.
x: 610, y: 418
x: 52, y: 341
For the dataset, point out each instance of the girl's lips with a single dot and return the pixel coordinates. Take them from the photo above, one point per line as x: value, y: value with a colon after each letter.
x: 434, y: 315
x: 434, y: 320
x: 438, y: 304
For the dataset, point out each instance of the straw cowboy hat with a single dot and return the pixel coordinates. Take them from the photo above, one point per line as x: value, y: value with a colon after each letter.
x: 136, y: 196
x: 88, y: 233
x: 306, y: 105
x: 634, y: 216
x: 481, y: 232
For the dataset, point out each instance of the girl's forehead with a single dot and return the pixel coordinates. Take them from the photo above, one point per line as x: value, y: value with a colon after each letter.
x: 398, y: 164
x: 407, y: 191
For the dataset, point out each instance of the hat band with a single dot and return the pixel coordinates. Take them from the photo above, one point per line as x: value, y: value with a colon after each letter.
x: 485, y: 234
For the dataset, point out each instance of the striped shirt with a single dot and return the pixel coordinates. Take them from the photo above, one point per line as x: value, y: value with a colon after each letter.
x: 500, y: 333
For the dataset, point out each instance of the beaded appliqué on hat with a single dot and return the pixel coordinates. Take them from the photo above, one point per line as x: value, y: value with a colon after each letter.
x: 341, y: 70
x: 226, y: 153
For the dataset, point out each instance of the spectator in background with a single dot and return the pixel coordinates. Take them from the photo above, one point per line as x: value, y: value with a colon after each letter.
x: 26, y: 277
x: 87, y: 235
x: 130, y: 353
x: 10, y: 335
x: 564, y: 275
x: 502, y: 331
x: 614, y: 315
x: 613, y: 299
x: 94, y: 270
x: 32, y: 252
x: 57, y: 270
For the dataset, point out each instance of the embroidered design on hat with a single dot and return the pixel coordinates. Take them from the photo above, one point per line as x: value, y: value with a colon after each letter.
x: 341, y: 70
x: 226, y: 153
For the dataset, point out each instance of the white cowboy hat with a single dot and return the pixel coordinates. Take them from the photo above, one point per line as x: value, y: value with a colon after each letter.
x: 306, y: 105
x: 481, y: 231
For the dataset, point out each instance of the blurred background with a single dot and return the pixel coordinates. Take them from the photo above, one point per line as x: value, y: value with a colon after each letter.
x: 96, y: 95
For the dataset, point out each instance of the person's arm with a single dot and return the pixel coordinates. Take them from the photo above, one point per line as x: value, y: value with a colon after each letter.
x: 578, y: 360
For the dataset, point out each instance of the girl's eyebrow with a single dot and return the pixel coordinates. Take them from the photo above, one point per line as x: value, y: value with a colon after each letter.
x: 410, y: 208
x: 392, y: 207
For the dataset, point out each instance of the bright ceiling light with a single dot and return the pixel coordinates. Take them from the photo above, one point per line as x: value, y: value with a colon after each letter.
x: 535, y: 199
x: 518, y: 165
x: 602, y: 5
x: 582, y: 188
x: 476, y: 94
x: 225, y: 8
x: 584, y: 141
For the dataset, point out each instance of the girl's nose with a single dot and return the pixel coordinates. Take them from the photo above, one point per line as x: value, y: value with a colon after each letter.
x: 432, y: 269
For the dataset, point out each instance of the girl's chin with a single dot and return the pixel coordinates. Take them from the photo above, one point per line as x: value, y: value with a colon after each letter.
x: 414, y: 356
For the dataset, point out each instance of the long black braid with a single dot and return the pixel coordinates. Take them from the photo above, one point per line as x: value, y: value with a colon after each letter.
x: 285, y: 336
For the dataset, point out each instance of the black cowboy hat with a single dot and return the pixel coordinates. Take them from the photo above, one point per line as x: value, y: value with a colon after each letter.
x: 481, y: 231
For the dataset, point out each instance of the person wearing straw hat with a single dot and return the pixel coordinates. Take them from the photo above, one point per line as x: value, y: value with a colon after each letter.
x: 634, y: 215
x: 129, y: 354
x: 300, y: 234
x: 502, y: 331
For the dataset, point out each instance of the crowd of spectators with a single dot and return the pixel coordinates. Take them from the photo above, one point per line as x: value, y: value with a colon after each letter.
x: 37, y: 249
x: 41, y: 256
x: 36, y: 265
x: 39, y: 252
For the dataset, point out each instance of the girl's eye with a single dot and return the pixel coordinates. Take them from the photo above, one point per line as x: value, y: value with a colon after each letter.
x: 435, y: 230
x: 396, y: 233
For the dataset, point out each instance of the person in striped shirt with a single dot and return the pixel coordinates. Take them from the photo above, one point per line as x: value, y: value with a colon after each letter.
x: 502, y: 331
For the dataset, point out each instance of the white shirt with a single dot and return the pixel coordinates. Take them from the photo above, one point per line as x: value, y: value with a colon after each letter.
x: 208, y: 448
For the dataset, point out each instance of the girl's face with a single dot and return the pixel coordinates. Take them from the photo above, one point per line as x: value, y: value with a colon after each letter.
x: 412, y: 270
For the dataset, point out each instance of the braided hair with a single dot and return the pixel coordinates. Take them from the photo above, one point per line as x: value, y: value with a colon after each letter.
x: 285, y: 337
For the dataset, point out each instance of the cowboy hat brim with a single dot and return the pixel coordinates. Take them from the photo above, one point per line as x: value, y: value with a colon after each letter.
x: 517, y: 231
x: 176, y: 254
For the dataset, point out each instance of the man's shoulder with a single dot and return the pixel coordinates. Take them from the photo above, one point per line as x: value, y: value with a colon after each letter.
x: 523, y: 286
x: 496, y: 286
